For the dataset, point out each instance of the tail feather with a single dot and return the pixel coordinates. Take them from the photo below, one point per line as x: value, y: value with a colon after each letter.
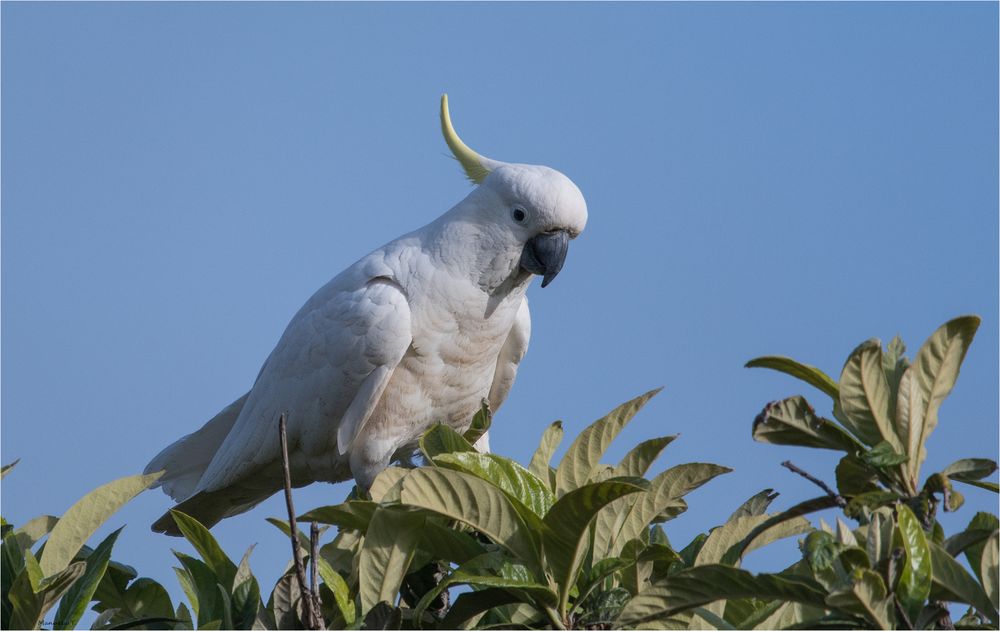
x: 184, y: 461
x: 208, y: 508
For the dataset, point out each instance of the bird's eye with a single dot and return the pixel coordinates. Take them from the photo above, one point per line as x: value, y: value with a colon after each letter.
x: 518, y: 214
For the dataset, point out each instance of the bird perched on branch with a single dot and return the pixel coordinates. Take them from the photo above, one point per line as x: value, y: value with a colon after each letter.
x: 420, y: 331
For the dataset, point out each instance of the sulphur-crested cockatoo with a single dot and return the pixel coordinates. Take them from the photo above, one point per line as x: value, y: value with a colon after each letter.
x: 418, y: 332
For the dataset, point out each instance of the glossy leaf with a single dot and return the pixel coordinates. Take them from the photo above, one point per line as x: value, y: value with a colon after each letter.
x: 389, y: 545
x: 86, y: 516
x: 505, y: 474
x: 915, y: 580
x: 809, y: 374
x: 926, y: 384
x: 794, y: 422
x: 585, y: 452
x: 208, y: 548
x: 341, y: 592
x: 481, y: 422
x: 442, y: 439
x: 474, y: 502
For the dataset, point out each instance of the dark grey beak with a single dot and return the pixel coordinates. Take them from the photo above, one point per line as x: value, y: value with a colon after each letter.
x: 545, y: 254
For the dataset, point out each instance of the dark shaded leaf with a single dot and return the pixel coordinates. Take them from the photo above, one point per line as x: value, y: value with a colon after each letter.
x: 970, y: 469
x: 352, y: 515
x: 74, y: 603
x: 480, y: 423
x: 442, y: 439
x: 208, y: 548
x: 756, y: 505
x: 883, y: 455
x: 854, y: 477
x: 383, y: 616
x: 950, y: 581
x: 792, y: 421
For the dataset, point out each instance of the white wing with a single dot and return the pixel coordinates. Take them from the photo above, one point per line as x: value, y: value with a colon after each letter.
x: 327, y: 371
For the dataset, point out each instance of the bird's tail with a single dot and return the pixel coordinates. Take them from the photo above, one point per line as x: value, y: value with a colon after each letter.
x: 209, y: 508
x: 185, y: 461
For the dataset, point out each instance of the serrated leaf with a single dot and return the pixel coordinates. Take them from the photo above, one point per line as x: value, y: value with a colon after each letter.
x: 664, y: 490
x: 74, y: 603
x: 543, y: 455
x: 477, y: 503
x: 208, y: 548
x: 926, y: 384
x: 389, y: 545
x: 86, y: 516
x: 585, y: 453
x: 969, y: 469
x: 915, y: 580
x: 809, y: 374
x: 794, y: 422
x: 950, y: 581
x: 566, y: 538
x: 441, y: 439
x: 864, y: 397
x: 704, y: 584
x: 507, y: 475
x: 641, y: 457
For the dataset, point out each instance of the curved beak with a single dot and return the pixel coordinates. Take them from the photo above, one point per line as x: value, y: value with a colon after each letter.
x: 545, y: 254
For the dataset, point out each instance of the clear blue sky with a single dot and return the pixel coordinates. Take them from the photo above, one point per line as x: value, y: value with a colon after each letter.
x: 762, y: 179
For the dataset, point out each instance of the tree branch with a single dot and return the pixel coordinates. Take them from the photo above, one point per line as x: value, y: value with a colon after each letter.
x: 839, y: 499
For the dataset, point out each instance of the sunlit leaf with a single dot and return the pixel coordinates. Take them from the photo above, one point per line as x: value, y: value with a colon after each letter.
x: 341, y: 592
x: 543, y: 455
x: 915, y: 580
x: 481, y: 422
x: 387, y: 484
x: 74, y: 602
x: 756, y: 505
x: 86, y: 516
x: 208, y: 548
x: 504, y: 473
x: 810, y: 374
x: 586, y: 450
x: 392, y: 537
x: 794, y: 422
x: 442, y: 439
x: 926, y: 384
x: 638, y: 460
x: 864, y: 397
x: 988, y: 568
x: 969, y: 469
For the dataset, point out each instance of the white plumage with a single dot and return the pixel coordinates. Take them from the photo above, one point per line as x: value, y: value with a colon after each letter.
x: 417, y: 332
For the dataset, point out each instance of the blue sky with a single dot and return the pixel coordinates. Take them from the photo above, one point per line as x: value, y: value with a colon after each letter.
x: 776, y: 178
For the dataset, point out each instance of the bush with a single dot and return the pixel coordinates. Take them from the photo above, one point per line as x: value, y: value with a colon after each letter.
x: 581, y: 544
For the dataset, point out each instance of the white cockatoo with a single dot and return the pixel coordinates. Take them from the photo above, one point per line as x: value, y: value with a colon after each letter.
x: 420, y: 331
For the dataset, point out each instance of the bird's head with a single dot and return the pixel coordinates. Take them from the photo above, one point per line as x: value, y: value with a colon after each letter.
x: 535, y: 207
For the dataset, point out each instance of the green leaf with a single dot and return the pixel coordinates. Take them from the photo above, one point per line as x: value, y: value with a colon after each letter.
x: 770, y: 521
x: 988, y: 568
x: 974, y: 552
x: 959, y: 542
x: 989, y: 486
x: 74, y: 603
x: 969, y: 469
x: 585, y: 453
x: 352, y: 515
x: 866, y: 596
x: 208, y: 548
x: 5, y: 469
x: 926, y: 384
x: 794, y: 422
x: 145, y: 598
x: 543, y: 455
x: 864, y: 397
x: 441, y: 439
x: 810, y: 374
x: 34, y: 530
x: 383, y: 616
x: 477, y: 503
x: 507, y: 475
x: 471, y: 604
x: 392, y: 538
x: 566, y: 539
x: 641, y: 457
x: 386, y: 485
x: 915, y: 580
x: 664, y: 490
x: 950, y: 581
x: 199, y: 584
x: 480, y: 423
x: 447, y: 544
x: 883, y: 455
x: 704, y: 584
x: 341, y: 592
x: 728, y: 543
x: 756, y: 505
x: 286, y: 603
x: 868, y: 501
x: 86, y: 516
x: 855, y: 477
